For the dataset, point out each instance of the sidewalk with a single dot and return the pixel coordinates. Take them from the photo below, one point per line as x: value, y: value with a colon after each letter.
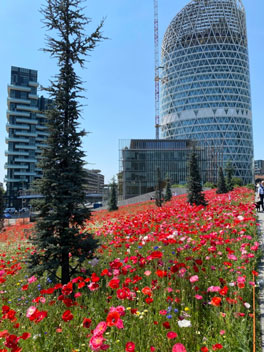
x: 261, y: 277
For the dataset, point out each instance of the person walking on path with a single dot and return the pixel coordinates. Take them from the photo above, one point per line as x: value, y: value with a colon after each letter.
x: 261, y: 194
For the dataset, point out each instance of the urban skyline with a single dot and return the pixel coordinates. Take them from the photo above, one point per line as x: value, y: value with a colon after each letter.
x: 120, y: 90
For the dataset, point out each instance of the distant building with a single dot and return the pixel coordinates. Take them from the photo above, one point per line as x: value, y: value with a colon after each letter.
x: 94, y: 181
x: 259, y: 167
x: 139, y: 160
x: 27, y: 131
x: 205, y: 81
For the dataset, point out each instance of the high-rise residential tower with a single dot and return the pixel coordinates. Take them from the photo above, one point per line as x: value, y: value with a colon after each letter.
x: 27, y: 131
x: 205, y: 84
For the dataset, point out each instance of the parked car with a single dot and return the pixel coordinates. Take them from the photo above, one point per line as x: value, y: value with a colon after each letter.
x: 10, y: 211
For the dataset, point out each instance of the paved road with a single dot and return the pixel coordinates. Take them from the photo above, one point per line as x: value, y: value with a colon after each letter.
x: 261, y: 276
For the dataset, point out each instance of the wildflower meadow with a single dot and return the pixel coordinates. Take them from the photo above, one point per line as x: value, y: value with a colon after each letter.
x: 171, y: 279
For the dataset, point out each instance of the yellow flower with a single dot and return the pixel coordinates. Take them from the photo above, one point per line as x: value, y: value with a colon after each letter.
x: 186, y: 309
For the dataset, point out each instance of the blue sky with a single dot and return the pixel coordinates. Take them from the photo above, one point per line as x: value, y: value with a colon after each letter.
x: 120, y: 73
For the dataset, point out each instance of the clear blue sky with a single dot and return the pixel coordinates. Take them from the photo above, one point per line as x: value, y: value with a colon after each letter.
x: 120, y: 72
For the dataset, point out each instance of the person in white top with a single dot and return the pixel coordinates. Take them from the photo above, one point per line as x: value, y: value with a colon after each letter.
x: 261, y: 194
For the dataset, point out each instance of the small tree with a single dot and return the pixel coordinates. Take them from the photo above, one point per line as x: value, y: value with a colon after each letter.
x: 159, y: 188
x: 1, y: 208
x: 168, y: 194
x: 221, y: 185
x: 195, y: 195
x: 229, y: 170
x: 237, y: 182
x: 112, y: 203
x: 57, y: 237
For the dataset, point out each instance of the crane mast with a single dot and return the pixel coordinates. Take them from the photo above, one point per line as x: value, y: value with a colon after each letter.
x: 156, y: 52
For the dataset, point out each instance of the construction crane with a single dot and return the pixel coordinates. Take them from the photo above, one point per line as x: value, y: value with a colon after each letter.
x: 157, y: 78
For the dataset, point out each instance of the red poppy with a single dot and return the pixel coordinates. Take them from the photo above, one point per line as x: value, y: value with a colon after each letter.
x: 130, y: 347
x: 112, y: 318
x: 87, y: 322
x: 216, y: 301
x: 67, y: 316
x: 114, y: 283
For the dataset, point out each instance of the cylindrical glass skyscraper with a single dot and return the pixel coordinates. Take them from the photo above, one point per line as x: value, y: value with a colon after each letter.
x: 205, y: 84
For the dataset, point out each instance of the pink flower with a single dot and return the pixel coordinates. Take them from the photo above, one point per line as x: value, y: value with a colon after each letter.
x: 198, y: 297
x: 32, y: 279
x: 100, y: 328
x: 178, y: 347
x: 120, y: 309
x: 213, y: 289
x: 31, y: 310
x: 147, y: 272
x: 194, y: 278
x: 96, y: 342
x: 163, y: 312
x: 93, y: 286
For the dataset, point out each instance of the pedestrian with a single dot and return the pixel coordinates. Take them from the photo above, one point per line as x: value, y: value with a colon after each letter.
x: 261, y: 194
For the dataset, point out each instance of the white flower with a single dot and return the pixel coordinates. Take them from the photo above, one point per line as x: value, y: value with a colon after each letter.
x: 184, y: 323
x: 247, y: 305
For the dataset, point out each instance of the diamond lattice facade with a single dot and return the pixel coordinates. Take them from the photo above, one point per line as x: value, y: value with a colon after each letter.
x: 205, y: 84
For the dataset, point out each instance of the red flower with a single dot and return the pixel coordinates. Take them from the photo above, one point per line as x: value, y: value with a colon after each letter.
x: 25, y: 335
x: 216, y: 301
x: 172, y: 335
x: 112, y: 318
x: 67, y: 289
x: 146, y: 291
x: 87, y: 322
x: 156, y: 255
x: 217, y: 346
x: 204, y: 349
x: 223, y: 291
x: 114, y: 283
x: 67, y: 315
x: 130, y: 347
x: 166, y: 324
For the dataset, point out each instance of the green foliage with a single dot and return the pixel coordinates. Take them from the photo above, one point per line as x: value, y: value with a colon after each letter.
x: 112, y: 203
x: 159, y: 188
x: 209, y: 185
x: 221, y: 185
x: 57, y: 237
x: 229, y: 170
x: 1, y: 208
x: 168, y: 194
x: 195, y: 195
x: 251, y: 186
x: 237, y: 181
x: 176, y: 185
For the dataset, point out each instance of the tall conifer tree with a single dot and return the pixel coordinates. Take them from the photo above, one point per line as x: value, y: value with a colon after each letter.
x: 159, y: 188
x: 221, y: 184
x: 1, y: 208
x: 57, y: 236
x: 112, y: 204
x: 195, y: 195
x: 168, y: 194
x: 229, y: 170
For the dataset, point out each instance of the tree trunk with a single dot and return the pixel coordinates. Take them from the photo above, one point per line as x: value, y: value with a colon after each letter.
x: 65, y: 268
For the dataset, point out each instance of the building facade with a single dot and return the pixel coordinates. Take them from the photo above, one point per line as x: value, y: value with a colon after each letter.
x: 139, y: 160
x: 94, y: 181
x: 27, y: 131
x: 205, y: 82
x: 259, y: 167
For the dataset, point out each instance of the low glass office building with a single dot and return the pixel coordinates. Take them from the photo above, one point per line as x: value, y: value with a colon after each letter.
x: 139, y: 160
x: 205, y: 83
